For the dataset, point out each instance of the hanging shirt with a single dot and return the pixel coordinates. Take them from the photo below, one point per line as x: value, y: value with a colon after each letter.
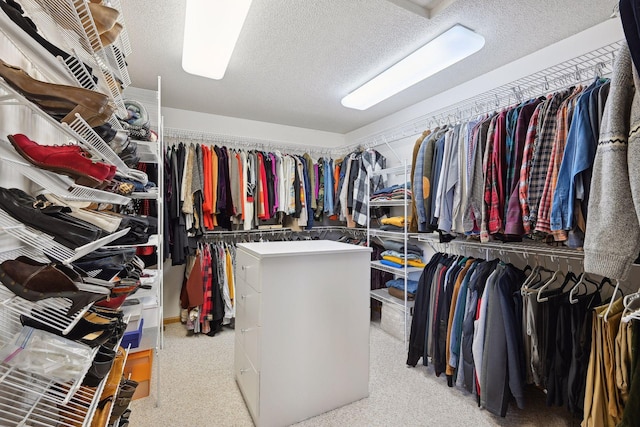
x: 542, y: 153
x: 371, y: 162
x: 563, y: 120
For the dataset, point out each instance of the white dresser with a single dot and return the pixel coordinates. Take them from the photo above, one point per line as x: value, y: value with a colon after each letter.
x: 302, y: 328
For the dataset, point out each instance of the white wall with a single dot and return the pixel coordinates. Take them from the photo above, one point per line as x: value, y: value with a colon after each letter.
x: 210, y: 123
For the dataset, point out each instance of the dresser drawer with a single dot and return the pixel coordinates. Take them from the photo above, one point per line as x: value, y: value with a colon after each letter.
x: 250, y: 337
x: 249, y: 382
x: 248, y: 269
x: 248, y: 303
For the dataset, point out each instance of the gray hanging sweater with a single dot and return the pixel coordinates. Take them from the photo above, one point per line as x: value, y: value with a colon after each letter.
x: 612, y: 238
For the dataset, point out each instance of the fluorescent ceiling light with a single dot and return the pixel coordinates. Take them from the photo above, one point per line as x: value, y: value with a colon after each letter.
x: 211, y: 30
x: 445, y: 50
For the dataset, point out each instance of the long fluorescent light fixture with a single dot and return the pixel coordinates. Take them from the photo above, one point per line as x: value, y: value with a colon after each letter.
x: 211, y: 30
x: 445, y: 50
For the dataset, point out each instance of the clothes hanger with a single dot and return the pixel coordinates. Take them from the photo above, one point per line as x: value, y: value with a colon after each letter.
x: 557, y: 274
x: 584, y: 279
x: 632, y: 313
x: 569, y: 279
x: 615, y: 290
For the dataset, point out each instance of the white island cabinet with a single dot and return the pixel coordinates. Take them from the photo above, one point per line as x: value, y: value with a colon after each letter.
x: 302, y: 328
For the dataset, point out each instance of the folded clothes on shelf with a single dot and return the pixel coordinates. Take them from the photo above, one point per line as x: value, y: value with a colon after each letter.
x: 396, y: 254
x: 399, y: 247
x: 397, y: 221
x: 391, y: 263
x: 399, y: 293
x: 412, y: 285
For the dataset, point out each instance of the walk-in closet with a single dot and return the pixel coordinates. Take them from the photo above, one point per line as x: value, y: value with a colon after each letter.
x: 324, y: 213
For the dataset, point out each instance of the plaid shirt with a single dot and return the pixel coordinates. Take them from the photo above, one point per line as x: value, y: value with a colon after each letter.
x: 370, y: 161
x: 206, y: 313
x: 543, y: 223
x: 542, y: 153
x: 495, y: 203
x: 525, y: 168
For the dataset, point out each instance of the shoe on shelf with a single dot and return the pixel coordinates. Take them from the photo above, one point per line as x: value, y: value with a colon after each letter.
x: 22, y: 207
x: 112, y: 382
x: 93, y: 106
x: 79, y: 278
x: 104, y: 17
x: 100, y: 367
x: 125, y: 393
x: 110, y: 36
x: 68, y: 162
x: 35, y: 283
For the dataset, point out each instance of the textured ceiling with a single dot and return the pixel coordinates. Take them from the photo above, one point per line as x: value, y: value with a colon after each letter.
x: 296, y: 59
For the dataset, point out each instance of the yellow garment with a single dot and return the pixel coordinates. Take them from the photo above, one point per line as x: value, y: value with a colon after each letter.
x: 623, y: 351
x: 397, y: 260
x: 601, y: 405
x: 398, y: 221
x: 416, y: 263
x: 230, y: 276
x: 393, y: 259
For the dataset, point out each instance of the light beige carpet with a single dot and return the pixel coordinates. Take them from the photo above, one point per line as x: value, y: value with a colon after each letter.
x: 197, y: 389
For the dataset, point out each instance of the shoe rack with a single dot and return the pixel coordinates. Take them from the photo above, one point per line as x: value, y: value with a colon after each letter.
x: 69, y: 24
x: 153, y: 303
x: 36, y: 399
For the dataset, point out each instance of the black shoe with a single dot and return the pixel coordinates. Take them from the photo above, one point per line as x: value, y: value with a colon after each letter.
x: 20, y: 206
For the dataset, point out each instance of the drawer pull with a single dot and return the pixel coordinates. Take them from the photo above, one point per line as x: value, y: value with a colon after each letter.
x: 245, y: 330
x: 242, y: 371
x: 243, y: 297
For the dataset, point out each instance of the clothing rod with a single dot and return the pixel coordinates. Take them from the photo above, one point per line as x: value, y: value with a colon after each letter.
x: 581, y: 69
x: 174, y: 135
x: 525, y: 248
x: 319, y: 229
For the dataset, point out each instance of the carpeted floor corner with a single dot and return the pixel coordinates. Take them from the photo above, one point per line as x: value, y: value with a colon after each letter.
x: 197, y: 388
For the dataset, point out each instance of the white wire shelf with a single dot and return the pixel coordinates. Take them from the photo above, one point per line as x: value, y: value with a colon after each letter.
x: 582, y: 68
x: 79, y: 131
x: 69, y: 24
x: 60, y: 185
x: 148, y: 195
x: 46, y: 244
x: 41, y: 407
x: 401, y: 272
x: 123, y: 40
x: 383, y: 295
x: 153, y: 241
x: 393, y: 235
x: 97, y: 146
x: 51, y: 311
x: 398, y: 170
x: 399, y: 202
x: 10, y: 376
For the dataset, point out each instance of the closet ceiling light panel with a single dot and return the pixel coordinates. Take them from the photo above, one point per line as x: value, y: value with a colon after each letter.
x: 445, y: 50
x: 211, y: 30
